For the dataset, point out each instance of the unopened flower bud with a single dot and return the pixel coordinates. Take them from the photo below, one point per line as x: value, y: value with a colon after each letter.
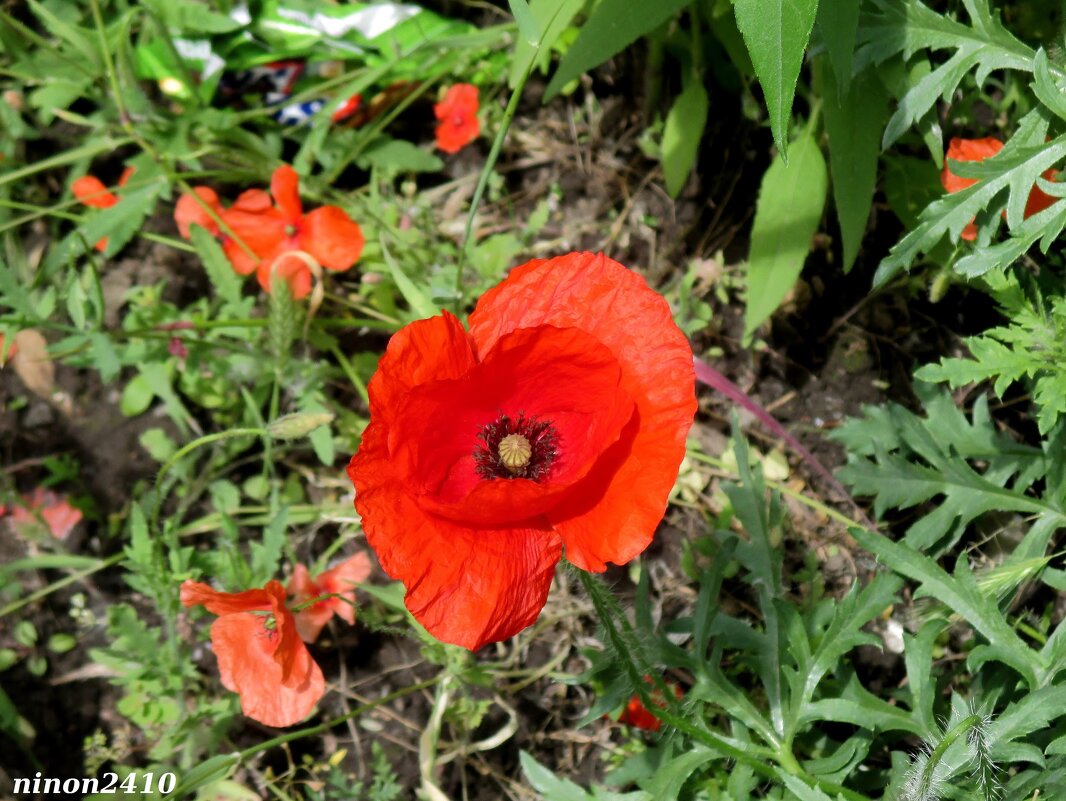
x: 300, y: 424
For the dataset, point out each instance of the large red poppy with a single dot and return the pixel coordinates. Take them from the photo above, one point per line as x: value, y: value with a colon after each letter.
x: 279, y: 235
x: 339, y: 582
x: 979, y: 150
x: 558, y: 420
x: 260, y: 654
x: 457, y: 124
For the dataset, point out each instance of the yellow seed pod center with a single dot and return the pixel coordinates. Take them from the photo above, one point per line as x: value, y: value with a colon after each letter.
x: 514, y: 452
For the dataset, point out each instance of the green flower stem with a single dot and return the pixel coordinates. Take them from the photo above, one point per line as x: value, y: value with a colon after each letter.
x: 329, y: 724
x: 486, y: 171
x: 59, y: 584
x: 628, y: 651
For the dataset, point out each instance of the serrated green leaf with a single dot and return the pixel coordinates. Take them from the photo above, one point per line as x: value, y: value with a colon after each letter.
x: 226, y: 283
x: 853, y: 122
x: 611, y: 26
x: 776, y: 34
x: 682, y: 133
x: 791, y: 198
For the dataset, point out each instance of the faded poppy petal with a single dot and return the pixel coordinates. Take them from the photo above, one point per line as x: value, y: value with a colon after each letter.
x: 247, y: 665
x: 187, y: 212
x: 608, y: 521
x: 55, y: 510
x: 310, y: 620
x: 285, y: 187
x: 342, y: 580
x: 457, y: 114
x: 331, y: 237
x: 91, y: 191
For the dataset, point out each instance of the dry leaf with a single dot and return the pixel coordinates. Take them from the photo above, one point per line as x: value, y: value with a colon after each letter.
x: 34, y: 365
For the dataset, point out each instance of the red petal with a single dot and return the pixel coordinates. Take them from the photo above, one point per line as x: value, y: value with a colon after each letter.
x: 126, y: 175
x: 188, y: 212
x: 92, y: 192
x: 253, y: 200
x: 342, y: 580
x: 311, y: 621
x: 331, y: 237
x: 966, y: 150
x: 285, y: 187
x: 564, y: 376
x: 196, y: 593
x: 466, y: 586
x: 242, y: 263
x: 287, y: 267
x: 247, y: 665
x: 262, y: 230
x: 615, y: 516
x: 1038, y: 199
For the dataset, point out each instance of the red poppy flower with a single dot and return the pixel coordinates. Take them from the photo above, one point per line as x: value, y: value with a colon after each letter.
x: 457, y: 114
x: 636, y: 714
x: 278, y: 233
x: 559, y: 419
x: 188, y: 212
x: 92, y: 192
x: 979, y: 150
x: 260, y: 655
x: 339, y: 581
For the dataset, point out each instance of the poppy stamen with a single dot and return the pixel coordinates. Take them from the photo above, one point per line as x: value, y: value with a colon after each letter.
x: 523, y: 447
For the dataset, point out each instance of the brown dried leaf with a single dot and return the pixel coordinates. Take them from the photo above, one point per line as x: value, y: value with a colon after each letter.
x: 33, y: 364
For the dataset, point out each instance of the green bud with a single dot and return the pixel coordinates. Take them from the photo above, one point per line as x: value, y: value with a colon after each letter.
x: 300, y: 424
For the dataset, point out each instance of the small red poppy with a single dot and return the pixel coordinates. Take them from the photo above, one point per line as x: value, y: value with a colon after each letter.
x: 979, y: 150
x: 273, y: 226
x: 187, y: 212
x: 559, y: 419
x: 637, y: 715
x: 44, y: 505
x: 91, y: 191
x: 260, y: 654
x: 339, y: 581
x: 457, y: 115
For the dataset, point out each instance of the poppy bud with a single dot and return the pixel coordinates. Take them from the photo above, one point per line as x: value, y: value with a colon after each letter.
x: 298, y: 425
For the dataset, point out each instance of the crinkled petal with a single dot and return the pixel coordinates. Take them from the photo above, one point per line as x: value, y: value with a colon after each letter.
x: 188, y: 212
x: 331, y: 237
x: 614, y: 517
x: 342, y: 580
x: 196, y: 593
x: 559, y: 375
x: 91, y: 191
x: 247, y: 665
x: 467, y: 586
x: 285, y: 187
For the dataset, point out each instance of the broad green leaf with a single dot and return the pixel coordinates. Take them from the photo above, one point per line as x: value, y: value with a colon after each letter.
x: 612, y: 25
x: 853, y: 122
x: 682, y: 133
x: 226, y: 283
x: 789, y: 209
x: 137, y: 396
x: 528, y: 26
x: 838, y: 22
x: 396, y: 154
x: 776, y: 33
x: 552, y: 17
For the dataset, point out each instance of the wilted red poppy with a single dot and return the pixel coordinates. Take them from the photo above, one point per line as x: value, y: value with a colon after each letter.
x: 457, y: 114
x: 91, y: 191
x: 636, y: 714
x: 260, y: 654
x: 338, y: 581
x: 44, y: 505
x: 559, y: 419
x: 278, y: 233
x: 979, y: 150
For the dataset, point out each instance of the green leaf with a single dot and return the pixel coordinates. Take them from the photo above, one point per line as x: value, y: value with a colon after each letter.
x: 682, y: 133
x: 853, y: 122
x: 421, y: 306
x: 527, y: 23
x: 776, y: 33
x: 226, y: 283
x: 1049, y: 89
x: 137, y: 396
x: 789, y: 209
x: 611, y: 26
x: 552, y: 17
x: 78, y: 38
x: 838, y: 22
x: 399, y: 155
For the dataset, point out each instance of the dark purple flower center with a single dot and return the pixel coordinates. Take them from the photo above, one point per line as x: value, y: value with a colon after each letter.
x: 523, y: 447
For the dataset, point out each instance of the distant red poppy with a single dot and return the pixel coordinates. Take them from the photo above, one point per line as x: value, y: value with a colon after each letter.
x: 91, y: 191
x: 44, y: 505
x: 979, y: 150
x: 457, y: 114
x: 340, y: 580
x: 559, y: 419
x: 636, y: 714
x: 260, y: 655
x: 273, y: 226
